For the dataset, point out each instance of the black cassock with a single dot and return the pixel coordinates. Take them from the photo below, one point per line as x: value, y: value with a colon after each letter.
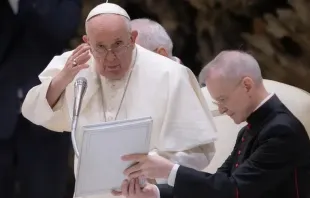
x: 271, y: 159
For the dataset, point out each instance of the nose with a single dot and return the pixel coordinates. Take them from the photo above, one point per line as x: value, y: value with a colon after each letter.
x: 222, y: 109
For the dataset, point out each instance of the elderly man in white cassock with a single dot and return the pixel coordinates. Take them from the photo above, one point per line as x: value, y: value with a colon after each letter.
x: 295, y: 99
x: 125, y: 81
x: 154, y: 37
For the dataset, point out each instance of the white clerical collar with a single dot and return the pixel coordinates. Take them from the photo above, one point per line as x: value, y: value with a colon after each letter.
x: 264, y: 101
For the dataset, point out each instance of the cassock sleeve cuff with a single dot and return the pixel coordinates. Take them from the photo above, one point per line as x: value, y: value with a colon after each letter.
x: 173, y: 174
x: 157, y: 192
x: 45, y: 86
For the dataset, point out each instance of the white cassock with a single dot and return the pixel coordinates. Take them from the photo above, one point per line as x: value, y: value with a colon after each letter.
x: 295, y: 99
x: 183, y: 128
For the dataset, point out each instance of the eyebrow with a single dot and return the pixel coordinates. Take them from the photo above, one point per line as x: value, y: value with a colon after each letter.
x: 115, y: 40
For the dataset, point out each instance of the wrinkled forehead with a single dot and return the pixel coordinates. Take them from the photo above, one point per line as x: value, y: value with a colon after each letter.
x: 107, y: 28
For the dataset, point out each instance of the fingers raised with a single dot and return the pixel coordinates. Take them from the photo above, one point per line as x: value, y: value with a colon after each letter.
x: 83, y: 58
x: 80, y: 49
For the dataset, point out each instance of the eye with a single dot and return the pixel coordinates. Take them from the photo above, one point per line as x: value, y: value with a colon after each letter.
x: 118, y: 43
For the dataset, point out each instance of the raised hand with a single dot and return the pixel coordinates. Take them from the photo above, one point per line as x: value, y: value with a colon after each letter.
x: 76, y: 62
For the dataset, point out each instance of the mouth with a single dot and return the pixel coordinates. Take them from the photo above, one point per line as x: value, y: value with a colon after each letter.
x: 113, y: 67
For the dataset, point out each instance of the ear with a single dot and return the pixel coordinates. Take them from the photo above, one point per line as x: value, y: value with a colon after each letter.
x: 134, y: 35
x: 248, y: 84
x: 162, y: 51
x: 85, y: 39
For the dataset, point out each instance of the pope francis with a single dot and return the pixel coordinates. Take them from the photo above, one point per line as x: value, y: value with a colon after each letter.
x: 125, y: 81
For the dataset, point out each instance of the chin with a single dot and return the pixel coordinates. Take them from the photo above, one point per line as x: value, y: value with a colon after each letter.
x: 236, y: 120
x: 114, y: 75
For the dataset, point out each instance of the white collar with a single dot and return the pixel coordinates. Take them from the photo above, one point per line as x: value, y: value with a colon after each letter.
x: 264, y: 101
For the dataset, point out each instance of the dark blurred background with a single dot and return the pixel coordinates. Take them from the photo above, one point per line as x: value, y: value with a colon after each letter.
x: 276, y: 32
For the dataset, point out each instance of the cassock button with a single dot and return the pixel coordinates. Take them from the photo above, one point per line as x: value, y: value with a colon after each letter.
x: 242, y: 139
x: 237, y: 165
x: 239, y: 152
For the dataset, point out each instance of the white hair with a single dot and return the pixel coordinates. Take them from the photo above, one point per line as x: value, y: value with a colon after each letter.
x: 232, y: 65
x: 151, y: 35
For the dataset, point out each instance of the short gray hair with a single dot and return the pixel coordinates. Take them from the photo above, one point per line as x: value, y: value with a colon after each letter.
x: 232, y: 64
x: 151, y: 35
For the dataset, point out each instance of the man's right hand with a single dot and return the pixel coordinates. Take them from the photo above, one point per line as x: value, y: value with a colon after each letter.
x: 75, y: 63
x: 132, y: 189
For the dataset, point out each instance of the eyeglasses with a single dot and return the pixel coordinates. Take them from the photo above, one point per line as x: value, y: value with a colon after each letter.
x: 223, y: 100
x: 117, y: 49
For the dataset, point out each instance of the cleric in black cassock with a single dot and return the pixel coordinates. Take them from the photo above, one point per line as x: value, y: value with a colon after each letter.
x: 271, y: 157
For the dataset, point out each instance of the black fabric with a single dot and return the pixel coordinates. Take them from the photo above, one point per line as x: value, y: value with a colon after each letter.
x: 28, y: 42
x: 37, y: 158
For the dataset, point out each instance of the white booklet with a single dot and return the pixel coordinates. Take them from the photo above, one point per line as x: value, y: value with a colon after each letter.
x: 100, y: 168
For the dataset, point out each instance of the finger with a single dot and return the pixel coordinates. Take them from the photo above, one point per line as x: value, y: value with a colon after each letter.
x: 137, y: 186
x: 134, y: 157
x: 83, y: 58
x: 131, y: 188
x: 84, y: 48
x: 79, y: 48
x: 136, y: 174
x: 124, y: 187
x: 80, y: 67
x: 132, y: 169
x: 116, y: 193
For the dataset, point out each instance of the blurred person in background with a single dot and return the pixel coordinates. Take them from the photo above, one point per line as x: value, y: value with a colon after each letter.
x: 32, y: 33
x: 154, y: 37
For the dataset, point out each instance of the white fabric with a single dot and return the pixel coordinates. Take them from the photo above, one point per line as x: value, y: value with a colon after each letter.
x: 107, y: 8
x: 173, y: 175
x: 295, y: 99
x: 159, y: 87
x: 264, y: 101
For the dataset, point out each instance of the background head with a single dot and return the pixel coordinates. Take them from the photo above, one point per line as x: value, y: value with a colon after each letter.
x: 108, y: 32
x: 234, y: 81
x: 152, y: 36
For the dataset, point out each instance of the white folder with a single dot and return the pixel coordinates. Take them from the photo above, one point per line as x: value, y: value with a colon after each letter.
x: 100, y: 168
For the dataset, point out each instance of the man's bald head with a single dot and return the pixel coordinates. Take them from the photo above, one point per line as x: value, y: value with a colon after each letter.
x: 234, y: 81
x: 232, y: 66
x: 152, y: 36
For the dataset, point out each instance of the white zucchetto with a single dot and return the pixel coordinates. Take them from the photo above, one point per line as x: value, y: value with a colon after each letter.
x: 107, y: 8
